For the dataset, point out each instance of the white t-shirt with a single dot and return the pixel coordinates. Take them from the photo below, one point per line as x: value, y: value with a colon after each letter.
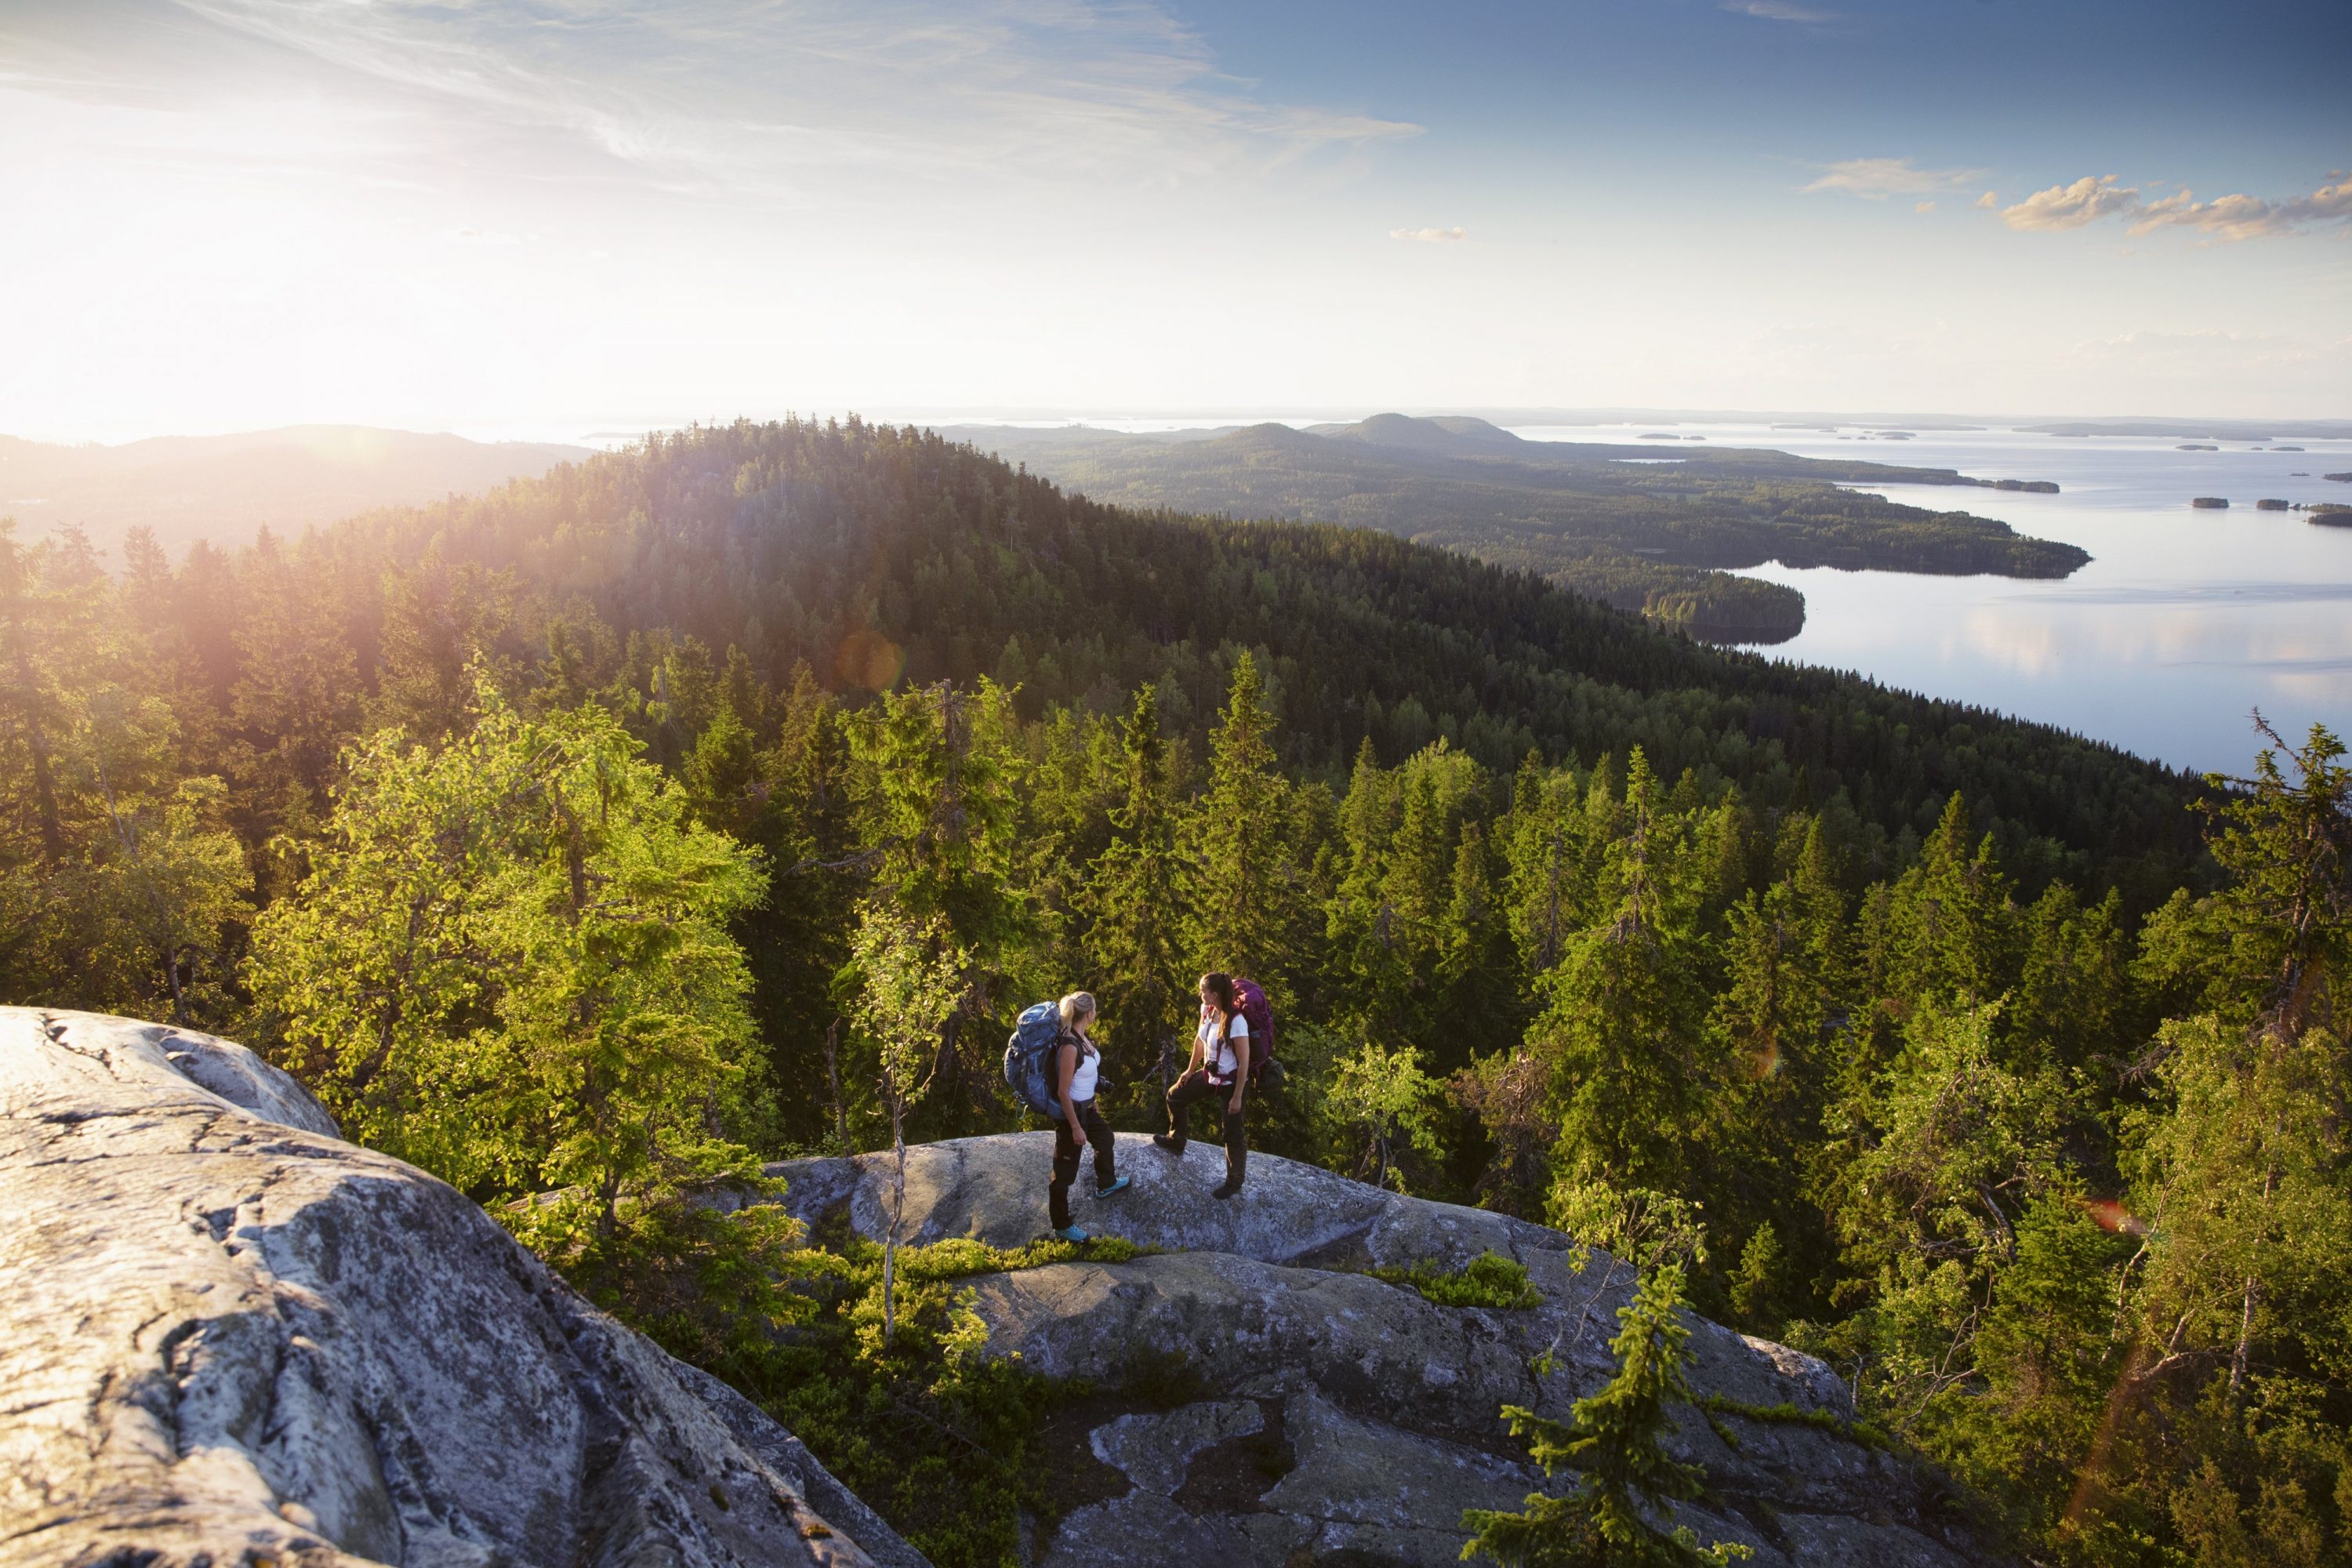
x: 1237, y: 1028
x: 1083, y: 1076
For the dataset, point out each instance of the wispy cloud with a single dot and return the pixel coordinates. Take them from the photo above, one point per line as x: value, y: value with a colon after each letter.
x: 1875, y: 179
x: 1441, y: 236
x: 1988, y: 202
x: 2093, y: 198
x: 1777, y: 11
x: 1923, y: 206
x: 771, y: 97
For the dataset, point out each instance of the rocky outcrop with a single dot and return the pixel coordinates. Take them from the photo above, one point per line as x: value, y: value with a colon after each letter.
x: 1265, y: 1401
x: 230, y: 1340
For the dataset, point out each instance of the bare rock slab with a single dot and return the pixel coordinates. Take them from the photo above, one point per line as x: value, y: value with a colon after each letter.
x: 1284, y: 1407
x: 230, y: 1338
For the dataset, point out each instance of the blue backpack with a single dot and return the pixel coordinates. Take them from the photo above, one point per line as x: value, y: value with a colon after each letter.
x: 1029, y: 1059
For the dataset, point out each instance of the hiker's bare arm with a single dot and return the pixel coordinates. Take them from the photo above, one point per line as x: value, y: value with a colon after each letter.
x: 1068, y: 1055
x: 1241, y: 1071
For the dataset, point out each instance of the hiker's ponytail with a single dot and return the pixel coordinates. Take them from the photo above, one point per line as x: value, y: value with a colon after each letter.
x: 1075, y: 1008
x: 1219, y: 984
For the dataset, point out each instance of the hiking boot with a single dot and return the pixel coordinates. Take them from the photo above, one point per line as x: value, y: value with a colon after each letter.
x: 1119, y: 1185
x: 1071, y: 1233
x: 1173, y: 1146
x: 1227, y: 1190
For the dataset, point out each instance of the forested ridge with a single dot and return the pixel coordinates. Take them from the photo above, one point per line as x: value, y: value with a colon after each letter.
x: 724, y: 798
x: 1646, y: 528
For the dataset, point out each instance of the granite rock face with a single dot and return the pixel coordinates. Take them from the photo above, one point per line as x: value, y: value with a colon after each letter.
x: 1266, y: 1402
x: 230, y: 1340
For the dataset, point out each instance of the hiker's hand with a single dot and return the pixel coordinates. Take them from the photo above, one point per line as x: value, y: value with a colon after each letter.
x: 1235, y: 1107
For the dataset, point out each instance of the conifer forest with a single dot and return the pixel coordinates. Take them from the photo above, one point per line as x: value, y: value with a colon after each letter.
x: 724, y: 798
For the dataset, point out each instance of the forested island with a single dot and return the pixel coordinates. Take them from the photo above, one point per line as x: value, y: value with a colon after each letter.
x: 724, y: 798
x: 1656, y: 537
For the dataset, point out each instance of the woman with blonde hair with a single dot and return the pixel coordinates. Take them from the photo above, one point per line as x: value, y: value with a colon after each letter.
x: 1076, y: 1064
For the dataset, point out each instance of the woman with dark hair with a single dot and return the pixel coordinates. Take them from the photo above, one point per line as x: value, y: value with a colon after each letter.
x: 1219, y: 1067
x: 1076, y: 1064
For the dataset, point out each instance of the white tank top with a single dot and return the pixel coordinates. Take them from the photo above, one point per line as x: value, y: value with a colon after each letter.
x: 1083, y: 1076
x: 1236, y: 1028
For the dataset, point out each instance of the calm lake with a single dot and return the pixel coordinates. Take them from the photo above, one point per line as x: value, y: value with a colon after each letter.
x: 2183, y: 623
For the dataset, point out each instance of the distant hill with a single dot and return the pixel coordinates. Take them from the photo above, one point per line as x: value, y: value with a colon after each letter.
x: 1450, y: 433
x: 227, y: 488
x: 1651, y: 527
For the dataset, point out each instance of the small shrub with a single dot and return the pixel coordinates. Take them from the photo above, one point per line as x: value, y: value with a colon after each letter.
x: 940, y: 1439
x: 1489, y: 1279
x: 960, y: 1256
x: 1862, y: 1432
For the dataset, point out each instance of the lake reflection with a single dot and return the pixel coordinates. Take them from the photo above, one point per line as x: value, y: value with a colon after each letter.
x: 2182, y: 624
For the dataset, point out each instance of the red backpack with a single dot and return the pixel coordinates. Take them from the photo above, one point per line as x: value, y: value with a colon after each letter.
x: 1250, y: 998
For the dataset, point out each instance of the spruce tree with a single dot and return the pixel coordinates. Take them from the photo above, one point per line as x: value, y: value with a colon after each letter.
x: 1134, y: 947
x: 1243, y: 883
x: 938, y: 780
x: 1623, y: 1031
x: 1614, y: 1439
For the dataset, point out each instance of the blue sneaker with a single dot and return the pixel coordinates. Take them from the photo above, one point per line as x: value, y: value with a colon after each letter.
x: 1119, y: 1185
x: 1071, y: 1233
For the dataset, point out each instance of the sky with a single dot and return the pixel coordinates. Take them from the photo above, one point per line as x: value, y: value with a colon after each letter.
x: 556, y: 216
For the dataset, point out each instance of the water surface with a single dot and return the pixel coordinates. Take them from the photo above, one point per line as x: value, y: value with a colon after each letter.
x: 2184, y: 622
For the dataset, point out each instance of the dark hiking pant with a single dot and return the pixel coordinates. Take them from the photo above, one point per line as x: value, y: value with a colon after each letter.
x: 1198, y: 1085
x: 1065, y: 1160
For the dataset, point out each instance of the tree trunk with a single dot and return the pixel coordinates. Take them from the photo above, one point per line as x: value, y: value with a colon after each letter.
x: 2245, y: 1335
x: 898, y: 1207
x: 833, y: 1075
x: 171, y: 979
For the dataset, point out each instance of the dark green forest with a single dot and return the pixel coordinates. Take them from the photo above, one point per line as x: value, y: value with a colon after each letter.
x: 612, y: 832
x: 1646, y: 528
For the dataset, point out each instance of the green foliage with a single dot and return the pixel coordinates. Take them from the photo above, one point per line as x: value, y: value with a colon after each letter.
x: 1789, y: 1415
x: 1244, y: 884
x: 910, y: 981
x: 1489, y: 1280
x: 937, y: 1437
x: 1134, y: 944
x: 1983, y: 1080
x: 509, y: 962
x: 1641, y: 1228
x: 1623, y: 1034
x: 931, y: 1433
x: 123, y: 887
x: 1385, y: 1105
x: 958, y: 1256
x: 1614, y: 1440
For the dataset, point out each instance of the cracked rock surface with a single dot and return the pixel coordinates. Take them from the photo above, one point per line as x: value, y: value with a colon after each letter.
x: 230, y: 1340
x: 1269, y: 1403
